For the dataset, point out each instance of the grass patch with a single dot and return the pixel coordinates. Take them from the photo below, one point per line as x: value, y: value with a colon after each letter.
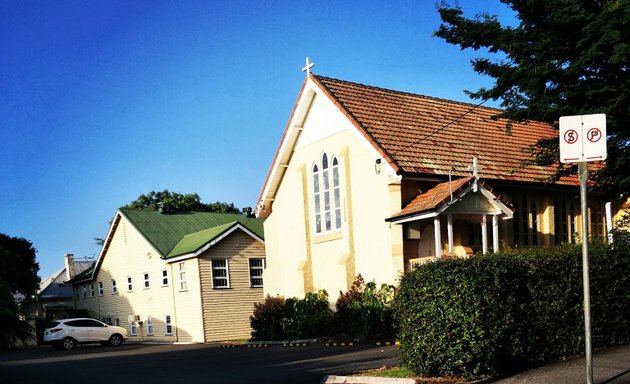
x: 389, y: 372
x: 406, y: 373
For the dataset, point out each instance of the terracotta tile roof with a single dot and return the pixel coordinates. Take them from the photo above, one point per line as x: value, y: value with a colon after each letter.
x: 434, y: 197
x: 426, y: 135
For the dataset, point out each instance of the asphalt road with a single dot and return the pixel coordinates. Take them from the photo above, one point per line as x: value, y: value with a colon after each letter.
x: 202, y: 363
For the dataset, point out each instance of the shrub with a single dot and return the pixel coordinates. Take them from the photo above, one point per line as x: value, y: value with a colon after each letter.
x: 307, y: 318
x: 495, y: 313
x: 266, y: 320
x: 365, y: 311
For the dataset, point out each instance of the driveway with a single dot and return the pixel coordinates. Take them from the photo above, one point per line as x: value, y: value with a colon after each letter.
x: 201, y: 363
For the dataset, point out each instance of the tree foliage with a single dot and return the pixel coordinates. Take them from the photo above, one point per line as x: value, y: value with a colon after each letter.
x: 176, y: 202
x: 18, y: 267
x: 18, y: 283
x: 568, y: 57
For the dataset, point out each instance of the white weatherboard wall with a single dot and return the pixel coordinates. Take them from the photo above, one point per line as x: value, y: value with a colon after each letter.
x: 366, y: 244
x: 130, y: 255
x: 188, y: 302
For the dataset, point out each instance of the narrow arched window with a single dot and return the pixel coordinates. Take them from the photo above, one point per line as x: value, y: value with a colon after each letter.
x: 525, y: 218
x: 572, y: 224
x: 316, y: 199
x: 516, y: 221
x: 534, y: 211
x: 326, y: 192
x: 336, y: 192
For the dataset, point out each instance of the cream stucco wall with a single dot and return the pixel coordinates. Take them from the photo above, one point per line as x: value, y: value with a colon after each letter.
x: 298, y: 259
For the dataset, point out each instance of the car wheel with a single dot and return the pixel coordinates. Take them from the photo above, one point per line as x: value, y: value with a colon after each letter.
x: 115, y: 340
x: 68, y: 343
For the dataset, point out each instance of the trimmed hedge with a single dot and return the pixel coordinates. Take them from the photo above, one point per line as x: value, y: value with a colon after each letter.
x: 498, y: 313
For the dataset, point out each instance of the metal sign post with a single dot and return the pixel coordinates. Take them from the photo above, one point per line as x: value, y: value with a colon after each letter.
x: 583, y: 139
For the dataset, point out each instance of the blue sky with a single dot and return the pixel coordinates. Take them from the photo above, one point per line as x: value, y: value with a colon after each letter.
x: 102, y: 101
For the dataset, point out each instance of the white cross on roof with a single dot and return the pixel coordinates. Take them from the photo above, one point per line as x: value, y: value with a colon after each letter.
x: 308, y: 66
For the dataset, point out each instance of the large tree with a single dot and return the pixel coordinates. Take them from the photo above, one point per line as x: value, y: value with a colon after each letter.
x: 18, y: 283
x: 566, y: 57
x: 177, y: 202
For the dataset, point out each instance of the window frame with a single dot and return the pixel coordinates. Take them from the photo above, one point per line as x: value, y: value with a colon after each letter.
x: 168, y: 323
x: 183, y: 282
x: 256, y: 268
x: 114, y: 287
x: 147, y: 282
x: 129, y: 284
x: 165, y: 277
x: 150, y: 327
x: 327, y: 195
x: 101, y: 289
x: 216, y: 278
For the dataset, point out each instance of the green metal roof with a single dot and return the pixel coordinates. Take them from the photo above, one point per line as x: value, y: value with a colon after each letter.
x: 177, y: 233
x: 194, y: 241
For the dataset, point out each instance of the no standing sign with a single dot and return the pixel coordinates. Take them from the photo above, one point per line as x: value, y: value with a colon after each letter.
x: 583, y: 138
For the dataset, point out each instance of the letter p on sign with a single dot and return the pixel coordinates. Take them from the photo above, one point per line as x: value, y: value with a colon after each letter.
x: 583, y: 138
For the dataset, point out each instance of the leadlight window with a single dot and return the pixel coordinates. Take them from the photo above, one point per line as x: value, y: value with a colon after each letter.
x: 316, y: 196
x: 336, y: 193
x: 326, y: 191
x: 327, y: 195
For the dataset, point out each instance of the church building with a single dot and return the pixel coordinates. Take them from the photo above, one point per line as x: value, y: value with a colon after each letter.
x: 374, y: 181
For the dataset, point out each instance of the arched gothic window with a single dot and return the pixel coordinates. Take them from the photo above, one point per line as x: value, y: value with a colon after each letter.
x: 326, y: 191
x: 316, y: 195
x: 327, y: 195
x: 336, y: 192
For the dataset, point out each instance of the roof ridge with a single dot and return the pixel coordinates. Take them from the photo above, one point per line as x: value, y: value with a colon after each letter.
x: 373, y: 87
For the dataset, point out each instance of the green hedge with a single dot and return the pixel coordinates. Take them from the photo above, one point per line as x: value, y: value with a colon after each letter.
x: 497, y: 313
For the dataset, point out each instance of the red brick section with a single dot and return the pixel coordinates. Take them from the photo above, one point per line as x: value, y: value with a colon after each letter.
x: 434, y: 197
x: 427, y: 135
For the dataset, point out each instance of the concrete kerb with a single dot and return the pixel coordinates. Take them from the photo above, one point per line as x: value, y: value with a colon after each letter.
x: 304, y: 343
x: 333, y: 379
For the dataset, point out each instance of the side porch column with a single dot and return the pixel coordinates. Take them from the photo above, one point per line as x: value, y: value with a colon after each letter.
x: 438, y: 236
x: 495, y: 233
x: 484, y: 233
x: 449, y: 223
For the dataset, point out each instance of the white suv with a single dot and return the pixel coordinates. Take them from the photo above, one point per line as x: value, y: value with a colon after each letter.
x: 66, y: 333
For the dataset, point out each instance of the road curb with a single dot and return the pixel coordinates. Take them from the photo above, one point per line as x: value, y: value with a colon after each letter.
x: 333, y: 379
